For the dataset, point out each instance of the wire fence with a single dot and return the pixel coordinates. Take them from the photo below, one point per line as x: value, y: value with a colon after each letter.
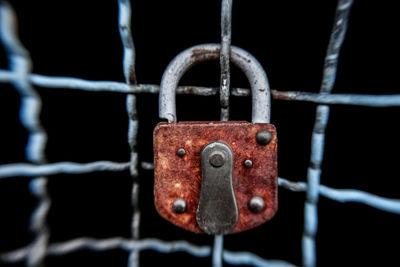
x: 20, y: 76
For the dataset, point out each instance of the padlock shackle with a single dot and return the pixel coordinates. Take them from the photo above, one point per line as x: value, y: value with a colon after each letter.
x: 261, y: 96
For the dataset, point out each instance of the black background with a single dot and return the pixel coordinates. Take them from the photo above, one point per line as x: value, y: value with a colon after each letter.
x: 81, y: 39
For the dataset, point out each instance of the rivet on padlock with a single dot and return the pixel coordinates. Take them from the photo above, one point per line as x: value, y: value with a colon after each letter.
x: 215, y: 177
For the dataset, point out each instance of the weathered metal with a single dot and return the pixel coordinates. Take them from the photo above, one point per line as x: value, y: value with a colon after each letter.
x: 181, y: 177
x: 261, y: 97
x: 208, y: 191
x: 224, y: 58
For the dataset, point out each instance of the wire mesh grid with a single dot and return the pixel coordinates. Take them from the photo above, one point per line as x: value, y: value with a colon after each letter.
x: 20, y: 76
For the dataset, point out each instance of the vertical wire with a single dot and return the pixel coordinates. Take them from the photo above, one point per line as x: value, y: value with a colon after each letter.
x: 225, y: 79
x: 124, y: 19
x: 224, y: 60
x: 218, y: 249
x: 318, y: 135
x: 30, y: 107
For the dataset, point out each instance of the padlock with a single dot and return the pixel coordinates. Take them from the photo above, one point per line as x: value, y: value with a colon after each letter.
x: 215, y: 177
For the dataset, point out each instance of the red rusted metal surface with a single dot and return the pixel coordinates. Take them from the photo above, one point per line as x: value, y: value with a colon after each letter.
x: 180, y: 177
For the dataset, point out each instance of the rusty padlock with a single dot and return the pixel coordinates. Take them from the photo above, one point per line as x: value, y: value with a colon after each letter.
x: 215, y: 177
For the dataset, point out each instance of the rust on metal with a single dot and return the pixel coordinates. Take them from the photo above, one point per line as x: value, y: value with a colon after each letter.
x: 180, y: 177
x: 201, y: 53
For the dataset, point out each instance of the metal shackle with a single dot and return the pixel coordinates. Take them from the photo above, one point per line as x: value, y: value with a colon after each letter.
x: 261, y: 96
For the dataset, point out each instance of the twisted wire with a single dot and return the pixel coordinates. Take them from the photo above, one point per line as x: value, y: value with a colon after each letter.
x: 124, y: 24
x: 224, y: 59
x: 32, y: 170
x: 21, y: 65
x: 118, y: 87
x: 225, y: 79
x: 340, y: 195
x: 19, y: 75
x: 234, y: 258
x: 318, y: 134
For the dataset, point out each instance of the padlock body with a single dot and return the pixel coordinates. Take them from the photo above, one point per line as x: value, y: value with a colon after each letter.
x: 179, y: 176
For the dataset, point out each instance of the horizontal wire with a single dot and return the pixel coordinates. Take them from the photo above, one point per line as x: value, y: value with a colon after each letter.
x: 343, y: 99
x: 341, y: 195
x: 58, y: 249
x: 249, y: 259
x: 347, y: 195
x: 352, y: 195
x: 392, y: 100
x: 109, y: 86
x: 31, y: 170
x: 147, y: 165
